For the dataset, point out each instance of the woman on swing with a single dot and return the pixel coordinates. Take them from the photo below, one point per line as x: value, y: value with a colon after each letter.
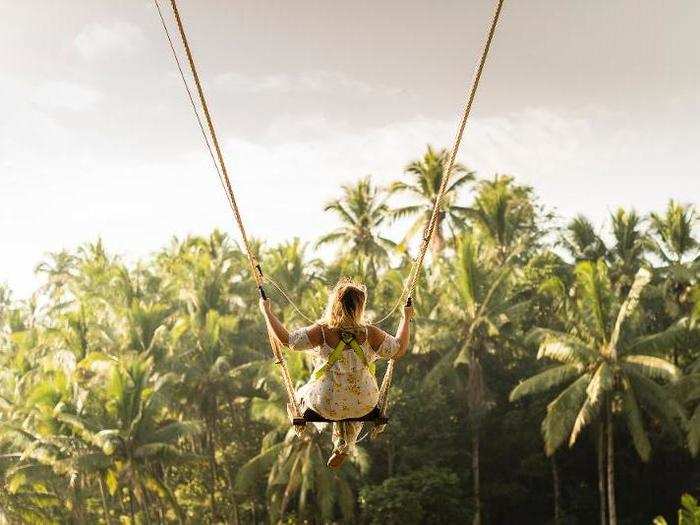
x: 342, y: 385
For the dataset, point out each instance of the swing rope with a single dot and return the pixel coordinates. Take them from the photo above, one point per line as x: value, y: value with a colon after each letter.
x: 256, y: 270
x: 207, y: 143
x: 414, y: 274
x: 193, y: 104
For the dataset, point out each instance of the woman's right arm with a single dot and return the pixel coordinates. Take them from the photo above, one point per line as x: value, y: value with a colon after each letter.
x: 403, y: 332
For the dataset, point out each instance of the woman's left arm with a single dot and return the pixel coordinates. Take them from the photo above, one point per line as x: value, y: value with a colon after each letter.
x: 302, y: 339
x: 277, y: 327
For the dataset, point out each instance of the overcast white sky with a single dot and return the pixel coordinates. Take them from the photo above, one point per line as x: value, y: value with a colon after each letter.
x: 595, y: 103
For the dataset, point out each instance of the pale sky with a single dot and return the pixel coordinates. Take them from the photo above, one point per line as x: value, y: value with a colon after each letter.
x: 595, y: 103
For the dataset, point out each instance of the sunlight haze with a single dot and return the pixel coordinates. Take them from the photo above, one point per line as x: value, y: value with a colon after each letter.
x: 595, y: 104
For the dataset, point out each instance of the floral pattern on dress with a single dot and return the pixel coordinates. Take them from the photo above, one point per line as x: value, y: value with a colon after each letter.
x: 348, y: 388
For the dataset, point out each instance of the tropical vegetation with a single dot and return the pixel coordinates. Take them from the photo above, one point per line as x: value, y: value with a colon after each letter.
x: 554, y: 372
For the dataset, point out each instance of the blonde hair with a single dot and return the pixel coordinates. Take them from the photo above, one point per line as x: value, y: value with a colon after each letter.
x: 346, y: 306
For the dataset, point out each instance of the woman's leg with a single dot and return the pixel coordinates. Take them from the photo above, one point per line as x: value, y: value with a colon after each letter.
x: 345, y: 436
x: 344, y: 439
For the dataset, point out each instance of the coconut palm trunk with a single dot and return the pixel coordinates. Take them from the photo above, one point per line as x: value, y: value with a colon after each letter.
x: 477, y: 479
x: 212, y: 460
x: 611, y: 468
x: 601, y: 473
x: 557, y: 491
x: 476, y: 393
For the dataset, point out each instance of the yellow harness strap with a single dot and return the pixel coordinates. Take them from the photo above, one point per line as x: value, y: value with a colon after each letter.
x: 346, y: 340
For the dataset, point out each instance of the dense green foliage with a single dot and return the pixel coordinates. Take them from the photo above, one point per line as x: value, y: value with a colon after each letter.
x: 554, y: 374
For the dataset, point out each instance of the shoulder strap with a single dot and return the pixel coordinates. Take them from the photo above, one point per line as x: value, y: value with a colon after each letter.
x: 333, y: 358
x: 337, y: 354
x: 323, y: 334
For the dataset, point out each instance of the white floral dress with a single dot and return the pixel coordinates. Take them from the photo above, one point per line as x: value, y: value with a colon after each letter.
x: 348, y: 388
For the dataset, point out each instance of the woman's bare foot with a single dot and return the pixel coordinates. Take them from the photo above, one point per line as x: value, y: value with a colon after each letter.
x: 336, y: 460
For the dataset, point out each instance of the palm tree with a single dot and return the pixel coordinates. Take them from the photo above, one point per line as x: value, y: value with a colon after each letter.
x: 128, y: 444
x: 205, y: 365
x: 687, y: 331
x: 504, y: 213
x: 59, y: 271
x: 30, y: 490
x: 674, y: 232
x: 207, y: 277
x: 96, y: 271
x: 427, y: 175
x: 362, y: 212
x: 688, y: 392
x: 133, y: 445
x: 608, y: 372
x: 674, y: 242
x: 582, y: 242
x: 484, y: 306
x: 627, y: 252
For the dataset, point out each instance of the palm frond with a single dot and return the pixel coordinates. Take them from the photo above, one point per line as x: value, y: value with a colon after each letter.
x: 588, y: 412
x: 545, y: 381
x: 399, y: 187
x: 88, y: 462
x: 564, y: 348
x: 340, y: 209
x: 660, y: 342
x: 330, y: 238
x: 599, y: 386
x: 562, y: 413
x: 640, y: 281
x: 253, y: 471
x: 460, y: 181
x: 652, y: 367
x: 658, y: 401
x: 405, y: 211
x: 593, y: 287
x: 635, y: 424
